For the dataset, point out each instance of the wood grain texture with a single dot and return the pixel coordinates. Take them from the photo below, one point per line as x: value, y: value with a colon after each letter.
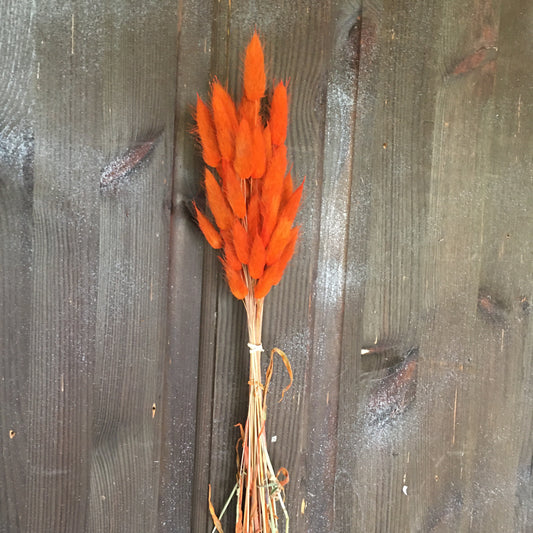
x: 64, y: 265
x: 384, y: 298
x: 405, y: 313
x: 429, y: 468
x: 16, y: 184
x: 138, y: 98
x: 84, y: 359
x: 186, y: 403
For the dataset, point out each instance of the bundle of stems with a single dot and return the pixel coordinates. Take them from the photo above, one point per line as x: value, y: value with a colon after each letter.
x: 253, y: 204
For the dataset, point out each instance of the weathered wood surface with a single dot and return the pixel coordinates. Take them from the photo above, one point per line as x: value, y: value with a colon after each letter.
x: 406, y: 313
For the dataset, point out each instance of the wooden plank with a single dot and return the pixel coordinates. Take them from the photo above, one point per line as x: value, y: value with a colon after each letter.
x: 472, y: 397
x: 16, y: 183
x: 182, y: 454
x: 64, y: 266
x: 209, y: 421
x: 431, y: 463
x: 316, y: 507
x: 384, y: 299
x: 498, y: 460
x: 85, y: 266
x: 138, y: 99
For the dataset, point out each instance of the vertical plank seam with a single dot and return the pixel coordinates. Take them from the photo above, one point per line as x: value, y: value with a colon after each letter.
x: 171, y: 242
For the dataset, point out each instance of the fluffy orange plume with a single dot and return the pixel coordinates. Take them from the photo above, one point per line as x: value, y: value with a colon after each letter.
x: 286, y: 255
x: 241, y: 242
x: 225, y: 118
x: 236, y: 282
x: 274, y: 273
x: 288, y: 188
x: 263, y: 286
x: 254, y: 215
x: 268, y: 142
x: 271, y: 191
x: 210, y: 233
x: 277, y: 165
x: 256, y: 264
x: 279, y: 109
x: 249, y: 109
x: 232, y: 187
x: 217, y: 202
x: 230, y: 254
x: 244, y: 157
x: 280, y: 239
x: 290, y: 208
x: 206, y: 130
x: 258, y: 153
x: 254, y: 70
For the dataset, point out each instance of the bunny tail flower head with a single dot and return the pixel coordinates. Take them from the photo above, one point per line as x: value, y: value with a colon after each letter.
x: 250, y: 193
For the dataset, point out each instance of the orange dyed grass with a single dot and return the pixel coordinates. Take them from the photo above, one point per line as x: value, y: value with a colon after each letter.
x: 252, y: 205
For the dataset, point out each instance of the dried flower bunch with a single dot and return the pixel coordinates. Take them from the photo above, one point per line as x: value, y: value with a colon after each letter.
x: 253, y: 205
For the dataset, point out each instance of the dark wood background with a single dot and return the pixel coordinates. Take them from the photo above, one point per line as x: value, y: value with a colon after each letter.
x: 406, y: 313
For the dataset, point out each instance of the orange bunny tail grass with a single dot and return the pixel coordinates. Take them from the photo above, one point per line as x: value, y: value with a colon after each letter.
x: 206, y: 131
x: 287, y: 253
x: 241, y: 242
x: 290, y: 208
x: 254, y: 70
x: 244, y: 157
x: 272, y: 189
x: 265, y: 283
x: 288, y: 188
x: 257, y: 261
x: 225, y: 118
x: 278, y: 242
x: 236, y: 282
x: 217, y: 202
x: 210, y: 233
x: 254, y: 214
x: 233, y: 189
x: 274, y: 272
x: 254, y: 203
x: 230, y: 254
x: 258, y: 153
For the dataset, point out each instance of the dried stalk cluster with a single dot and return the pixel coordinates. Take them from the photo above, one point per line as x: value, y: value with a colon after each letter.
x: 253, y: 204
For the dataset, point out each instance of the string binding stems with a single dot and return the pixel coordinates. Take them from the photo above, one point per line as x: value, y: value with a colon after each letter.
x: 255, y: 347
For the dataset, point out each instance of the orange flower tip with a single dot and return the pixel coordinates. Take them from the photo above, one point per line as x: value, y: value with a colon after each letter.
x: 225, y: 119
x: 254, y: 70
x: 256, y: 263
x: 249, y: 109
x: 270, y: 278
x: 207, y: 134
x: 244, y: 156
x: 241, y: 242
x: 217, y: 202
x: 258, y: 153
x: 231, y: 256
x: 279, y: 240
x: 292, y: 204
x: 254, y: 214
x: 236, y: 282
x: 210, y: 233
x: 261, y: 290
x: 233, y: 189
